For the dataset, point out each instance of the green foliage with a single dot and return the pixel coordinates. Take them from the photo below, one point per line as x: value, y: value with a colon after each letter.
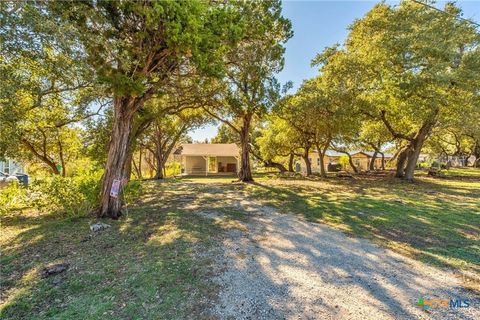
x: 12, y: 197
x: 132, y: 191
x: 73, y: 196
x: 225, y: 134
x: 343, y: 160
x: 46, y: 87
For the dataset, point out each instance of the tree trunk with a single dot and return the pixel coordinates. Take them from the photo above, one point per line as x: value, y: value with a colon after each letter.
x: 128, y: 164
x: 272, y: 164
x: 307, y: 161
x: 43, y: 157
x: 350, y: 161
x: 383, y: 160
x: 414, y: 154
x: 140, y: 163
x: 401, y: 160
x: 245, y: 174
x: 371, y: 166
x: 321, y: 156
x: 124, y: 109
x: 290, y: 162
x: 159, y: 162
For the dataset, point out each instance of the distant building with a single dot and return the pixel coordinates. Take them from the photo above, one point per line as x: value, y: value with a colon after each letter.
x: 10, y: 166
x: 361, y: 160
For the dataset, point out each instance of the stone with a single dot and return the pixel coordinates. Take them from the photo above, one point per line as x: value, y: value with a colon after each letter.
x: 54, y: 269
x: 99, y: 226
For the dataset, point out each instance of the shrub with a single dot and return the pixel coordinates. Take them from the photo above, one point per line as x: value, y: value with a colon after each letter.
x: 13, y: 196
x: 72, y: 195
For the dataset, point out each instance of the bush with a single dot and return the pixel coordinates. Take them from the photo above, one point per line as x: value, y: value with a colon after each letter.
x: 72, y: 195
x: 13, y: 196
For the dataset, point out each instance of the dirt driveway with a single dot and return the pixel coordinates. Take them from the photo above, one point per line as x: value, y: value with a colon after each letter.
x: 278, y: 266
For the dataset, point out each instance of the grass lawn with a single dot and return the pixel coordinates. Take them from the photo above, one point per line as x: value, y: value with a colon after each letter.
x: 145, y: 266
x: 435, y: 220
x: 151, y: 264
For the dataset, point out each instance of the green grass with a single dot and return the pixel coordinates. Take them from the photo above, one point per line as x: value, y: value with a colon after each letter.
x: 434, y: 220
x: 143, y: 267
x: 146, y: 266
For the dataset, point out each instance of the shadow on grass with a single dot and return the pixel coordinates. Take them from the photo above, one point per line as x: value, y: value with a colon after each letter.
x: 144, y: 266
x: 437, y: 231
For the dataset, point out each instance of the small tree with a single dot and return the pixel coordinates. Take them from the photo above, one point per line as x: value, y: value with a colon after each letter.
x: 250, y: 88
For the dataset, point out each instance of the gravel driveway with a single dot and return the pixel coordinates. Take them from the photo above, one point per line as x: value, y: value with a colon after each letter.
x: 278, y: 266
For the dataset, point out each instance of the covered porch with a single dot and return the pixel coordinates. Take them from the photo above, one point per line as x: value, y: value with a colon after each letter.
x: 209, y: 159
x: 210, y: 165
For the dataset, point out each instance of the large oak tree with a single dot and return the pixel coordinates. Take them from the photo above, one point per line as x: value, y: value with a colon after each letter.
x: 135, y: 47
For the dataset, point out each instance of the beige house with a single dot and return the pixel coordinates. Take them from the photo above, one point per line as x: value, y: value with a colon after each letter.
x: 208, y: 158
x: 361, y: 159
x: 331, y: 157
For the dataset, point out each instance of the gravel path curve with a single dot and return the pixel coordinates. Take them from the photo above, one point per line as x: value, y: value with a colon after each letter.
x: 279, y: 266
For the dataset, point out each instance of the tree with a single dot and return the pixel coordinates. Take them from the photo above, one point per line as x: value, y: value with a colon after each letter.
x: 374, y: 136
x: 298, y: 117
x: 226, y: 134
x: 166, y: 132
x: 135, y: 48
x: 412, y: 67
x: 46, y: 89
x: 250, y: 88
x: 275, y: 144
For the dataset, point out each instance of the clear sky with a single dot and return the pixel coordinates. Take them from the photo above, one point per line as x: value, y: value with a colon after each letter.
x: 319, y: 24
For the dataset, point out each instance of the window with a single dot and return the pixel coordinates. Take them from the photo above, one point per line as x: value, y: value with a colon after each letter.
x: 310, y: 160
x: 318, y: 161
x: 6, y: 167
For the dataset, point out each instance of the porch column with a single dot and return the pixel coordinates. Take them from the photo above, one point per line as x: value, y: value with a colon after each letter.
x: 206, y: 167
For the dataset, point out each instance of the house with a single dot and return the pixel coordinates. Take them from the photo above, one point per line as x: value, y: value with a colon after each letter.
x: 208, y: 158
x: 361, y: 159
x: 331, y: 157
x: 10, y: 166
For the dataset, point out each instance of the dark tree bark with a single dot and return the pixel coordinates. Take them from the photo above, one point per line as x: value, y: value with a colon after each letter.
x: 124, y: 109
x: 245, y: 173
x: 401, y: 160
x: 321, y: 156
x: 290, y: 162
x: 308, y: 165
x: 383, y: 160
x: 43, y: 157
x: 128, y: 164
x: 371, y: 166
x: 417, y: 144
x: 159, y: 161
x: 272, y: 164
x: 350, y: 161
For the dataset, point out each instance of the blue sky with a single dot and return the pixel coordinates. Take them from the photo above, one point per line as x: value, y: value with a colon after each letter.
x: 319, y: 24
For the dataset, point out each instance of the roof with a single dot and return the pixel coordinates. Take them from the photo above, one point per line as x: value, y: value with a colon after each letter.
x: 332, y: 153
x: 370, y: 154
x: 208, y: 149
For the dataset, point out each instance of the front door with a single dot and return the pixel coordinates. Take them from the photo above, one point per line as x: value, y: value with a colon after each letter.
x: 212, y: 164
